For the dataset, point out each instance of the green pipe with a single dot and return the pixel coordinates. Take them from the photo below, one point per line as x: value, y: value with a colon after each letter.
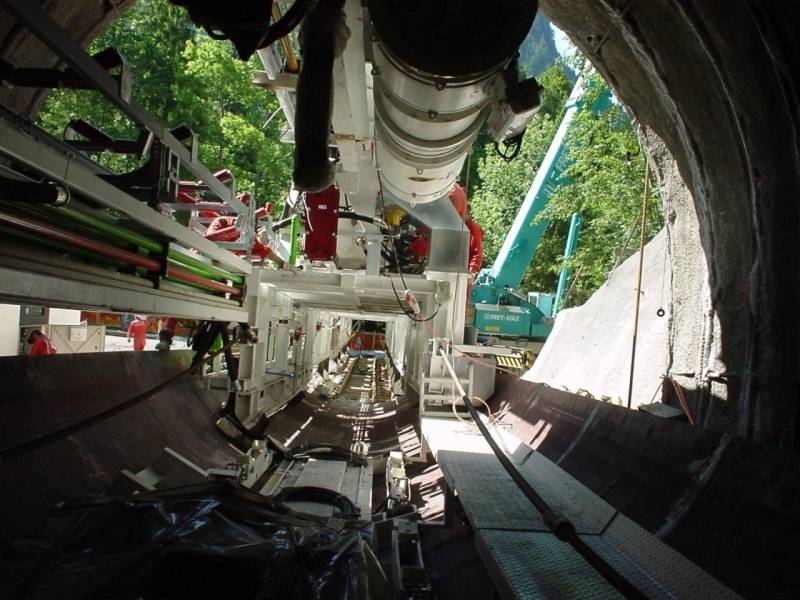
x: 95, y: 225
x: 293, y: 241
x: 208, y: 271
x: 111, y: 229
x: 191, y: 284
x: 122, y: 234
x: 59, y: 219
x: 37, y: 242
x: 191, y: 269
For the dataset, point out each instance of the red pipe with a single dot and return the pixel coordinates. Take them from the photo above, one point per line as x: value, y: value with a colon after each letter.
x: 79, y: 241
x: 185, y: 198
x: 212, y: 212
x: 196, y: 279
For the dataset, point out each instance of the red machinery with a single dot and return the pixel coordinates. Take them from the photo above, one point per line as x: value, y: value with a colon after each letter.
x: 322, y: 222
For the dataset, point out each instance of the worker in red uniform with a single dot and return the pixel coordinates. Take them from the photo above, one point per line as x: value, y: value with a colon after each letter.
x: 459, y: 199
x: 138, y: 331
x: 41, y: 345
x: 166, y: 331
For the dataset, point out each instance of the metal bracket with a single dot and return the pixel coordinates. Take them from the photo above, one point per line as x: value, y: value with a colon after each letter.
x: 108, y: 59
x: 90, y: 72
x: 99, y: 141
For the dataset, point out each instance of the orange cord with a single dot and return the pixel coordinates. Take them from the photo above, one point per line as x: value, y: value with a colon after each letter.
x: 682, y: 399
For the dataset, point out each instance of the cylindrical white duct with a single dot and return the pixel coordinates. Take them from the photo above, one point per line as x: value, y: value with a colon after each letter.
x: 424, y: 132
x: 435, y: 62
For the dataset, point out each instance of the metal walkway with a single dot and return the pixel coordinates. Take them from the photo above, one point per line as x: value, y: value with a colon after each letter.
x: 523, y: 557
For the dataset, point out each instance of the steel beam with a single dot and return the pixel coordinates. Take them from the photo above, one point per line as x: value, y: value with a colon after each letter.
x: 309, y: 287
x: 76, y: 176
x: 53, y: 36
x: 36, y: 288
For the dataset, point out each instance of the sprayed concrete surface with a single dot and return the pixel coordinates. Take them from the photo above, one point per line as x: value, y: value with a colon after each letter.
x: 590, y: 347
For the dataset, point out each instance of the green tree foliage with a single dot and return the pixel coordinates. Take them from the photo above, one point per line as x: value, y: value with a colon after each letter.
x: 604, y: 183
x: 500, y: 186
x: 181, y: 76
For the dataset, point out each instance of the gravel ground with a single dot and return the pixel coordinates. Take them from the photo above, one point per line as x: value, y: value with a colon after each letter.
x: 117, y: 343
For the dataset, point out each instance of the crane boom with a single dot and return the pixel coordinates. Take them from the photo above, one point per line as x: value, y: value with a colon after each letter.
x: 500, y: 307
x: 525, y: 234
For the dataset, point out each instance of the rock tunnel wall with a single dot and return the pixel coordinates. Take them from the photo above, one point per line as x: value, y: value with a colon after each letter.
x: 717, y: 82
x: 694, y: 345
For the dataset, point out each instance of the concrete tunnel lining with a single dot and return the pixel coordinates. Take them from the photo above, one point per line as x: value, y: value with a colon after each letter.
x: 717, y: 82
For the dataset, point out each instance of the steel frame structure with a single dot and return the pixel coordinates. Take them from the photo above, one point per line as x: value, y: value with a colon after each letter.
x: 48, y: 32
x: 24, y: 148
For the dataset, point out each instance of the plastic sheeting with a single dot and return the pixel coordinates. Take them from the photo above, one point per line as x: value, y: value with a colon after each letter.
x: 214, y: 540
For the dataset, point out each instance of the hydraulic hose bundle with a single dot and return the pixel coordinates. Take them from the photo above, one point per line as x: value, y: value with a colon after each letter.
x: 97, y: 239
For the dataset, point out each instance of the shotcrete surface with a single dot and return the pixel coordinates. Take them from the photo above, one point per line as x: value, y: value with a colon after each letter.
x: 589, y: 349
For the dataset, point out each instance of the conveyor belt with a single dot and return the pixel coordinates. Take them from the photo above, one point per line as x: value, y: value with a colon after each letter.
x: 524, y: 559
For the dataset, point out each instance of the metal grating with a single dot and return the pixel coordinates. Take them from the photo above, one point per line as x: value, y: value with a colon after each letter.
x: 524, y: 559
x: 482, y: 479
x: 527, y: 565
x: 656, y: 569
x: 351, y: 480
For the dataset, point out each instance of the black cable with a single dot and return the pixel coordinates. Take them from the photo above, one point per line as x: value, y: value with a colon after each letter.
x: 391, y: 360
x: 348, y: 214
x: 347, y: 509
x: 286, y: 24
x: 410, y: 315
x: 327, y: 450
x: 513, y: 147
x: 46, y: 440
x: 562, y: 527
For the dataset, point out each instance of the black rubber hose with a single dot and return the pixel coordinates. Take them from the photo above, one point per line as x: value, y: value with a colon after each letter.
x: 349, y: 214
x: 229, y: 408
x: 321, y: 33
x: 326, y: 451
x: 286, y: 24
x: 562, y: 527
x: 34, y: 192
x: 559, y: 525
x: 342, y: 503
x: 50, y: 438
